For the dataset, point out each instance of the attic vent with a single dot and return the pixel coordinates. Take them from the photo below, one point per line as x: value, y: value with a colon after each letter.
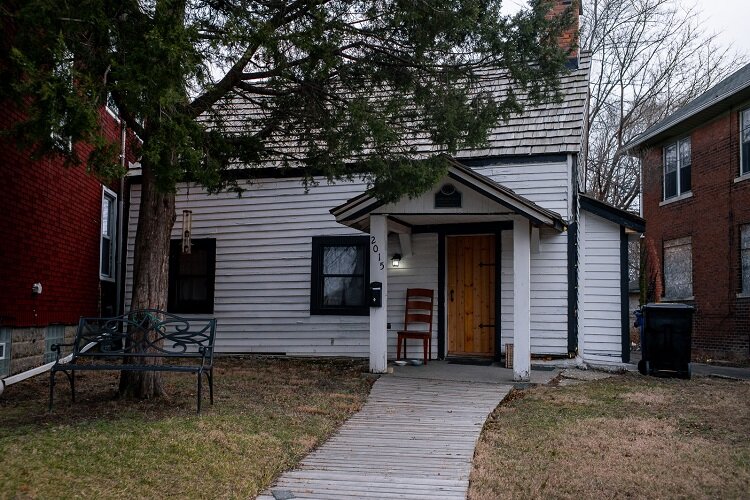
x: 448, y: 197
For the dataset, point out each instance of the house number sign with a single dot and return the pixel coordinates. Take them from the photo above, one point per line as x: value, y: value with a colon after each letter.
x: 376, y: 250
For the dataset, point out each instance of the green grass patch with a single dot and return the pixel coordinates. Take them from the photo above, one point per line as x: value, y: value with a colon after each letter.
x: 267, y: 415
x: 622, y: 437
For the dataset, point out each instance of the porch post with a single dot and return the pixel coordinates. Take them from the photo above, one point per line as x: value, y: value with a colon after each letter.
x: 521, y: 300
x: 379, y: 272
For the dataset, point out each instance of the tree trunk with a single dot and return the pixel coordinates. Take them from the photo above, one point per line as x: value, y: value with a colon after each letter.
x: 150, y: 274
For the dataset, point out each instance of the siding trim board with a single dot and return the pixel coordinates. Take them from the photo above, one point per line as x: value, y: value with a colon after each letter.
x: 612, y: 214
x: 625, y: 302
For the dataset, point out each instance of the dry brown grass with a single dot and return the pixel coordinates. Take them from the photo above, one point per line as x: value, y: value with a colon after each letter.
x: 624, y: 437
x: 267, y: 415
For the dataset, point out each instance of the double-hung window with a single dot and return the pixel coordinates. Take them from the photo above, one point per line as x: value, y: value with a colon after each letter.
x: 677, y: 163
x: 340, y: 270
x: 107, y: 235
x: 678, y: 268
x: 745, y: 142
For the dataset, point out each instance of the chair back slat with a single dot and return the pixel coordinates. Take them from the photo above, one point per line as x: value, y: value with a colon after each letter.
x: 418, y: 312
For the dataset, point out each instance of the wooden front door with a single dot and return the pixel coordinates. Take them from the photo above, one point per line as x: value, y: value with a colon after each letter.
x: 471, y: 295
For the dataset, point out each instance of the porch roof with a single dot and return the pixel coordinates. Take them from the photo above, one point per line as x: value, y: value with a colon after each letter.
x: 356, y: 211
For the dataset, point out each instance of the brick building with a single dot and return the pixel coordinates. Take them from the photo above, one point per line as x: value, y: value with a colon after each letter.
x: 58, y: 229
x: 696, y: 202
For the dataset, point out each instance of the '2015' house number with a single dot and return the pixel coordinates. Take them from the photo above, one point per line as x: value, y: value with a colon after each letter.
x: 376, y: 250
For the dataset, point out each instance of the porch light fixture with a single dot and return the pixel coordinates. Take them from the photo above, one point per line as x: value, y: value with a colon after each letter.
x: 396, y: 261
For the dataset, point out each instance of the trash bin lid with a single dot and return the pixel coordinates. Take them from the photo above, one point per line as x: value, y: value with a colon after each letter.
x: 668, y: 305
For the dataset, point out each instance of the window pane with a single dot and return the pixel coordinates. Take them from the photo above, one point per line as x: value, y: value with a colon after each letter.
x: 106, y: 269
x: 343, y: 260
x: 746, y: 158
x: 685, y: 179
x: 670, y: 185
x: 678, y: 270
x: 685, y: 152
x: 745, y: 253
x: 343, y: 292
x: 670, y: 158
x: 746, y: 126
x: 106, y: 218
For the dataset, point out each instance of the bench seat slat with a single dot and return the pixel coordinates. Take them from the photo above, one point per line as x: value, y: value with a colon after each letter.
x: 139, y: 368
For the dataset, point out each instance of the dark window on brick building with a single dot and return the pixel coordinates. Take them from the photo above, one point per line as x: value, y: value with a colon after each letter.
x: 745, y: 257
x: 191, y: 277
x: 745, y: 142
x: 678, y: 268
x: 677, y: 171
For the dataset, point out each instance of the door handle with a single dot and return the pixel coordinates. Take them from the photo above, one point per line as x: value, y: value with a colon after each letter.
x: 451, y: 295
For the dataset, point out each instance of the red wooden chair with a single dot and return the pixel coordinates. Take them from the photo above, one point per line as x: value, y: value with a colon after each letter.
x: 417, y: 320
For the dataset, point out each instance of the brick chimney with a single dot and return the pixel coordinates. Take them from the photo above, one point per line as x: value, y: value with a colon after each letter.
x: 569, y: 39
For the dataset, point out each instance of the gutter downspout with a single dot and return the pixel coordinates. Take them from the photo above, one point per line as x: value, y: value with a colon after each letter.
x: 120, y: 227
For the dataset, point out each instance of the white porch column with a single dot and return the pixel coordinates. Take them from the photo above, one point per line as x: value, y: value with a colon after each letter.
x: 379, y: 272
x: 521, y: 300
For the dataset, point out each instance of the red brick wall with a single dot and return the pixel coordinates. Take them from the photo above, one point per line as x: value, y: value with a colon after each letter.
x: 711, y: 217
x: 50, y: 219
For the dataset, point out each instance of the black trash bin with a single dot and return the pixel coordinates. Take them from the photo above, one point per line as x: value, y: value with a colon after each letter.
x: 667, y: 333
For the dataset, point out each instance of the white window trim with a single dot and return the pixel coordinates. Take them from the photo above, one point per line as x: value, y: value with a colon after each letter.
x: 680, y: 194
x: 673, y: 199
x: 106, y: 192
x: 742, y: 175
x: 112, y: 114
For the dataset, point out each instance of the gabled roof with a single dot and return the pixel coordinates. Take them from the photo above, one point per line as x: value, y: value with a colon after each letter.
x: 548, y: 128
x: 731, y: 91
x: 355, y: 212
x: 612, y: 213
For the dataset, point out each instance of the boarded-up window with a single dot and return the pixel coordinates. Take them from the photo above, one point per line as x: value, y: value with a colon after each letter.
x: 678, y: 268
x: 745, y: 255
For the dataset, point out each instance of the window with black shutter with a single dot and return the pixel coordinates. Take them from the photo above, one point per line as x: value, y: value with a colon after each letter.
x: 191, y: 277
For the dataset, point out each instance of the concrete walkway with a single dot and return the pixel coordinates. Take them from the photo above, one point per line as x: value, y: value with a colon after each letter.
x: 414, y: 438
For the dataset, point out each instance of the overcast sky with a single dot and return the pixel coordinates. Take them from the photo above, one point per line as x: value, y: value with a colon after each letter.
x: 729, y: 18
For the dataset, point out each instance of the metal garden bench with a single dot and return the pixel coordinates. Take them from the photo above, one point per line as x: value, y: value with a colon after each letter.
x: 132, y: 342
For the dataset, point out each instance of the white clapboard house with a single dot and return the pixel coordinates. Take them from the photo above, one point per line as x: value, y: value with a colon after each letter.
x: 513, y: 254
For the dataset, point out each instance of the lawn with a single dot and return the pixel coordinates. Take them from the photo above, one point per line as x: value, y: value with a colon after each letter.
x: 623, y: 437
x: 267, y: 415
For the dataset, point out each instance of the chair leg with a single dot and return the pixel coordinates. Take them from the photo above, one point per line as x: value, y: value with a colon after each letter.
x: 424, y: 348
x: 399, y: 339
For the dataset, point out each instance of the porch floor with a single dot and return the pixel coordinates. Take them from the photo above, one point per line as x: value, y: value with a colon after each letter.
x: 414, y: 438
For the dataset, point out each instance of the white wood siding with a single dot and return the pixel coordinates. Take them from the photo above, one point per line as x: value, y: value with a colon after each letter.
x: 419, y: 270
x: 263, y: 252
x: 601, y: 293
x: 547, y: 184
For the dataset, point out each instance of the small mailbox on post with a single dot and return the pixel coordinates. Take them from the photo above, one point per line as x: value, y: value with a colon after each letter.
x: 376, y: 294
